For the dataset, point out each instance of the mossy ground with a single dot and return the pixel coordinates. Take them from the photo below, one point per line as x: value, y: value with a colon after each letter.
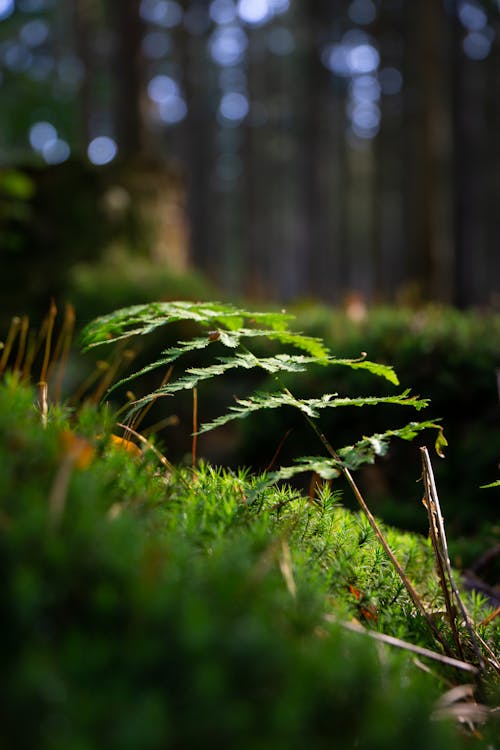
x: 153, y: 608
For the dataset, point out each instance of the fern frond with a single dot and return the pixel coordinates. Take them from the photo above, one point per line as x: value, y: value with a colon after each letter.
x: 143, y: 319
x: 309, y: 406
x: 351, y: 457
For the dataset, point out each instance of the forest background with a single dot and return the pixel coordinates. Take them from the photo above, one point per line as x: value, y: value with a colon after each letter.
x: 287, y: 152
x: 287, y: 149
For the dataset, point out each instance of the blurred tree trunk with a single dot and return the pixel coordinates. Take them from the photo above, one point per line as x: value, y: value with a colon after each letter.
x: 491, y: 175
x: 472, y: 173
x: 197, y: 147
x: 126, y: 71
x: 83, y: 22
x: 431, y: 225
x: 315, y: 252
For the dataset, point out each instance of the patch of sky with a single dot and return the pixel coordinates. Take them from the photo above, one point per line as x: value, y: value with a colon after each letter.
x: 156, y: 44
x: 280, y: 41
x: 222, y: 11
x: 34, y: 33
x: 6, y: 8
x: 227, y: 45
x: 102, y: 150
x: 166, y: 13
x: 472, y: 16
x: 362, y: 12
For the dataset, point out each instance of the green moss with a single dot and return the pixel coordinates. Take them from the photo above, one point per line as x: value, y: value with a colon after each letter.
x: 155, y: 611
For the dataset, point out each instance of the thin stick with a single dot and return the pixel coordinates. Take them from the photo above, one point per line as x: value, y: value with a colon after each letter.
x: 136, y: 422
x: 59, y: 489
x: 100, y: 366
x: 51, y: 318
x: 436, y: 509
x: 120, y: 354
x: 31, y: 350
x: 278, y: 449
x: 63, y: 348
x: 23, y: 333
x: 440, y: 565
x: 398, y: 643
x: 44, y: 403
x: 15, y: 324
x: 194, y: 443
x: 414, y: 596
x: 149, y: 444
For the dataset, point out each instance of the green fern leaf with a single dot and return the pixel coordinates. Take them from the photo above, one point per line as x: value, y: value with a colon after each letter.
x: 310, y: 407
x: 351, y: 457
x: 143, y: 319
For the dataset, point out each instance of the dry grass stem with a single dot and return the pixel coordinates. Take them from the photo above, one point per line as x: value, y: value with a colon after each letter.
x: 149, y: 444
x: 398, y: 643
x: 194, y: 443
x: 443, y: 558
x: 15, y: 325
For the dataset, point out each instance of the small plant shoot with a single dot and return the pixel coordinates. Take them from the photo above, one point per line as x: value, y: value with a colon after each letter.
x: 225, y: 327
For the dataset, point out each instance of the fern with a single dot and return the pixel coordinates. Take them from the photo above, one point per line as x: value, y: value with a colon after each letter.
x: 308, y: 406
x: 351, y: 457
x: 231, y: 328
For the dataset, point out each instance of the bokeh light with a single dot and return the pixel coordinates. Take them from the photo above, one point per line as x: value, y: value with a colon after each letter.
x: 102, y: 150
x: 365, y: 88
x: 222, y: 11
x: 56, y: 151
x: 279, y: 6
x: 172, y: 109
x: 161, y: 87
x: 6, y: 8
x: 477, y: 44
x: 41, y: 134
x: 17, y: 57
x: 228, y: 45
x: 166, y: 13
x: 234, y: 106
x: 362, y: 12
x: 363, y: 58
x: 254, y: 12
x: 472, y: 15
x: 34, y: 33
x: 354, y: 55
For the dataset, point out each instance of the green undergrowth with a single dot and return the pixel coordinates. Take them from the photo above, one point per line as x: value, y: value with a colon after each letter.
x: 147, y: 606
